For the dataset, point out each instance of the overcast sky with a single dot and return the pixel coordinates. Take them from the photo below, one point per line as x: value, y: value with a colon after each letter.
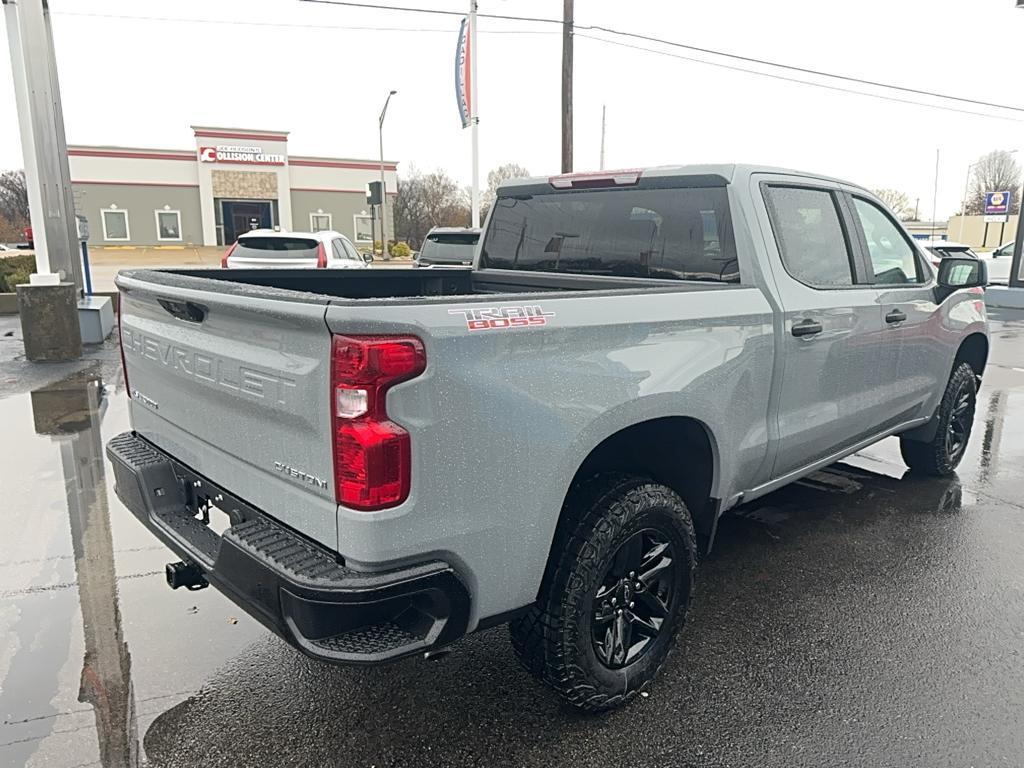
x: 321, y: 73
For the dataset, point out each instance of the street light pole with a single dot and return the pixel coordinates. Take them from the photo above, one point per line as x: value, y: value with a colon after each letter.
x: 383, y: 187
x: 1018, y: 241
x: 963, y: 204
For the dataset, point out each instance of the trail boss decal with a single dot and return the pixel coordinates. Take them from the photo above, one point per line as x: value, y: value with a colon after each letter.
x: 498, y: 318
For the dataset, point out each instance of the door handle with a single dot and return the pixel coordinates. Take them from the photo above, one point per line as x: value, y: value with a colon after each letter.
x: 807, y: 327
x: 184, y: 310
x: 895, y: 316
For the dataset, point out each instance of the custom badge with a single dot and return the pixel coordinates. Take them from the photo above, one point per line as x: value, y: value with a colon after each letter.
x: 501, y: 318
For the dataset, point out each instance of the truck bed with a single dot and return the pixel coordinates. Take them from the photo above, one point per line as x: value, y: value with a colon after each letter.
x: 322, y: 286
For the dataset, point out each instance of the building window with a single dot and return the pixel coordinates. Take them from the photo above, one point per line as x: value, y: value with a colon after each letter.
x: 319, y: 222
x: 363, y: 229
x: 115, y: 224
x: 168, y: 225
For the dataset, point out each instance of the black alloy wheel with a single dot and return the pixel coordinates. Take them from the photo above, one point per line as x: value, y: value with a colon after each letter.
x: 960, y: 418
x: 634, y: 599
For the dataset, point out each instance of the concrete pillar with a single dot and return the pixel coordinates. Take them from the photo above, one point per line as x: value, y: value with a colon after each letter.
x: 49, y: 322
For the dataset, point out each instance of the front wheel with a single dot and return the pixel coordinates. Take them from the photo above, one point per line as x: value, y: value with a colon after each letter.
x: 608, y: 614
x: 943, y: 453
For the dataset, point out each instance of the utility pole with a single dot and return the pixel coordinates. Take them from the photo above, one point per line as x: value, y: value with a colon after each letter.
x: 935, y: 193
x: 603, y: 108
x: 567, y: 21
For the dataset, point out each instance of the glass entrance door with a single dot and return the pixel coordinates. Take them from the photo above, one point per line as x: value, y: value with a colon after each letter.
x: 241, y: 216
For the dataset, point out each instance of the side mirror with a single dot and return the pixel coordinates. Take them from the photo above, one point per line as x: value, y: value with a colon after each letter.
x: 367, y: 257
x: 957, y: 272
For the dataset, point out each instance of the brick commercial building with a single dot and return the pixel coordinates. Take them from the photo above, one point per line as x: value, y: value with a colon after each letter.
x: 232, y: 181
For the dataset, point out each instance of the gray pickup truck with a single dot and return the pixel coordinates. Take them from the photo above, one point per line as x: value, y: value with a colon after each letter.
x: 375, y: 463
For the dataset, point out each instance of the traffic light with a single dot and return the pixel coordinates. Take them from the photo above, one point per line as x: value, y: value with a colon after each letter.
x: 374, y: 192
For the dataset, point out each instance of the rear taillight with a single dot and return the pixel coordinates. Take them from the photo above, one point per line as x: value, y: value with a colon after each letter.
x: 321, y: 256
x: 372, y: 455
x: 120, y: 343
x: 227, y: 255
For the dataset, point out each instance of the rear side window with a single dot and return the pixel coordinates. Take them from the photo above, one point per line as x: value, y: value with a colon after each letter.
x: 892, y: 257
x: 271, y: 247
x: 811, y: 240
x: 449, y: 246
x: 677, y: 234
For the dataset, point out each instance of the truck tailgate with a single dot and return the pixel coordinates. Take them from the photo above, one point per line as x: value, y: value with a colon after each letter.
x: 236, y: 387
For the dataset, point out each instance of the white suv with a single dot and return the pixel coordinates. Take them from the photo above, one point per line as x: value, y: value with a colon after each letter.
x: 270, y: 249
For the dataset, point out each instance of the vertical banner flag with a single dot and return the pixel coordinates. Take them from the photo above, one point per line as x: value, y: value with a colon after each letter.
x: 463, y: 90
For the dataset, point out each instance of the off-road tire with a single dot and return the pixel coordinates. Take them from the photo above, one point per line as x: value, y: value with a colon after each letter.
x: 934, y: 457
x: 553, y: 641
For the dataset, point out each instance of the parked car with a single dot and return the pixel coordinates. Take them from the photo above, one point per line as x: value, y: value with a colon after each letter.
x: 448, y: 247
x: 271, y: 249
x: 548, y: 440
x: 1006, y: 249
x: 940, y: 249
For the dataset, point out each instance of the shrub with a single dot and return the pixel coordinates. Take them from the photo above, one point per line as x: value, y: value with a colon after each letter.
x: 400, y: 250
x: 15, y: 270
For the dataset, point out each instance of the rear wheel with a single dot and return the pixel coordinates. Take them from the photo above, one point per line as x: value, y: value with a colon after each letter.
x: 943, y: 453
x: 609, y: 612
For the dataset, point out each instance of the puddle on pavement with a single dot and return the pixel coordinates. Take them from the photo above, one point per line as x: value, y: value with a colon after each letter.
x: 69, y: 413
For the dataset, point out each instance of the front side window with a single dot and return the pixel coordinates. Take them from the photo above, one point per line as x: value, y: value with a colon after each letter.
x: 168, y: 225
x: 363, y: 229
x: 892, y: 258
x: 319, y: 222
x: 669, y: 233
x: 115, y: 225
x: 810, y: 237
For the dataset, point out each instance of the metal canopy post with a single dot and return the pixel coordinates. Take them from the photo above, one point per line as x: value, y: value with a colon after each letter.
x: 44, y: 147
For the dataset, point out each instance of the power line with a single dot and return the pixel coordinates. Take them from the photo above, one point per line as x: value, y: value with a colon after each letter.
x: 676, y: 44
x: 826, y: 86
x: 279, y: 25
x: 804, y: 70
x: 435, y: 11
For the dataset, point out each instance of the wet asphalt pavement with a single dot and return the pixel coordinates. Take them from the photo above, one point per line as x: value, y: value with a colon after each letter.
x: 860, y: 617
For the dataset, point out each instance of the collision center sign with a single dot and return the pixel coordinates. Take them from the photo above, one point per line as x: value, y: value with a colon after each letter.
x: 226, y: 154
x: 997, y: 203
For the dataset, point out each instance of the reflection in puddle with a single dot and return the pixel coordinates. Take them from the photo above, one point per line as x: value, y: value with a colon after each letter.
x: 70, y: 412
x: 994, y: 418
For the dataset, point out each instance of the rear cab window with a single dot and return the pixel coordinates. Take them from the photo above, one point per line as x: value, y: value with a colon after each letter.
x: 276, y: 247
x: 674, y: 233
x: 449, y: 246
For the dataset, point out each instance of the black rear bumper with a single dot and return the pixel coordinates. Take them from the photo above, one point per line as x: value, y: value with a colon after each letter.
x: 301, y: 591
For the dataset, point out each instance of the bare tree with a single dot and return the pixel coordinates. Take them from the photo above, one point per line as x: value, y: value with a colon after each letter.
x: 897, y: 201
x: 14, y: 198
x: 995, y: 172
x: 425, y: 201
x: 496, y: 177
